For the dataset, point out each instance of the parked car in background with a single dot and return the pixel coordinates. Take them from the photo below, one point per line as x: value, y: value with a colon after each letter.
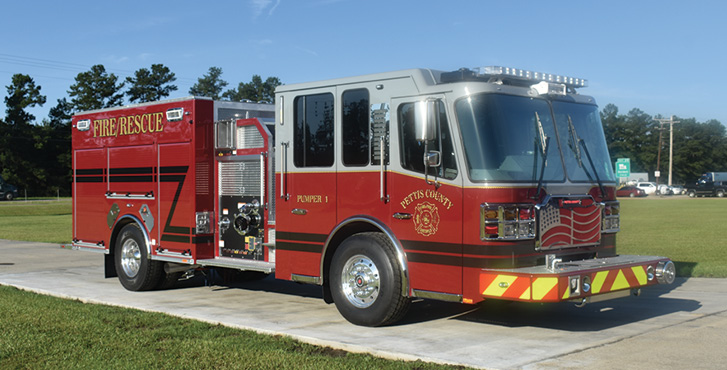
x: 7, y: 191
x: 678, y: 190
x: 630, y: 191
x: 664, y: 189
x: 648, y: 187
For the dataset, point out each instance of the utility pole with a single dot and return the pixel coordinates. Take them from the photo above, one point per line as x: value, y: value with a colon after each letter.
x: 671, y: 123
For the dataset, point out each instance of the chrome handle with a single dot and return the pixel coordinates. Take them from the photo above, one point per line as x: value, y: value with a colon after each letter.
x: 382, y: 196
x: 402, y: 216
x: 284, y: 171
x: 299, y: 211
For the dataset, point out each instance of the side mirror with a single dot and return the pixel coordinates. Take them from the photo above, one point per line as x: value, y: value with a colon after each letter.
x: 432, y: 159
x: 426, y: 115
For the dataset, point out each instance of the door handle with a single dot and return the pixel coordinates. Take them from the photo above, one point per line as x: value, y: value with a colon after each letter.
x: 299, y: 211
x: 402, y: 216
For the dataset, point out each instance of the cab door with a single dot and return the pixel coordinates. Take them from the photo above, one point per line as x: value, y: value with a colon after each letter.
x: 306, y: 212
x: 427, y: 210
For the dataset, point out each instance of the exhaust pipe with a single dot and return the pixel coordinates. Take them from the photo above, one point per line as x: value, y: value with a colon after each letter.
x: 171, y: 267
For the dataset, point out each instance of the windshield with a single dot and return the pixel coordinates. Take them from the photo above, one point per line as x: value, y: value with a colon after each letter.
x: 582, y: 122
x: 503, y: 140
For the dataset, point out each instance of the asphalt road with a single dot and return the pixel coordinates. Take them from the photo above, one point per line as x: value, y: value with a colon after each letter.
x: 682, y: 326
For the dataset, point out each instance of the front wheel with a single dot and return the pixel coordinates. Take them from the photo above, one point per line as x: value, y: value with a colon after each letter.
x: 136, y: 270
x: 366, y: 282
x: 692, y: 193
x: 720, y: 193
x: 9, y: 196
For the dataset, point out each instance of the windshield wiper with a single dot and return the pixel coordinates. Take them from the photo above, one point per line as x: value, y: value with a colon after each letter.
x: 575, y: 141
x: 543, y: 142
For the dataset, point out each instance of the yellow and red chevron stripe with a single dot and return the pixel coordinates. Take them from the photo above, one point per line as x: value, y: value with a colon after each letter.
x: 555, y: 287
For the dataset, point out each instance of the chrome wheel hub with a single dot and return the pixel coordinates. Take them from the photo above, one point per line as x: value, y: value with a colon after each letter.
x: 130, y: 258
x: 360, y: 281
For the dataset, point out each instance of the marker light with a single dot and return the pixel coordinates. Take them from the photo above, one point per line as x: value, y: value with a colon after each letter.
x: 175, y: 114
x: 83, y: 125
x: 611, y: 217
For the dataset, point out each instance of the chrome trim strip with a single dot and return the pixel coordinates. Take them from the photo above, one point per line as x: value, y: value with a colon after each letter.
x: 305, y: 279
x: 447, y: 297
x: 129, y: 196
x: 240, y: 264
x: 147, y: 238
x: 89, y: 247
x: 398, y: 248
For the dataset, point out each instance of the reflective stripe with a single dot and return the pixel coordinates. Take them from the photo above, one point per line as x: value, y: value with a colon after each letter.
x: 640, y: 274
x: 542, y: 286
x: 495, y: 289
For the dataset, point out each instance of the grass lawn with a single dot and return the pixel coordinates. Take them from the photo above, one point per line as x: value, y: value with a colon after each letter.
x: 42, y: 221
x: 42, y: 332
x: 692, y: 232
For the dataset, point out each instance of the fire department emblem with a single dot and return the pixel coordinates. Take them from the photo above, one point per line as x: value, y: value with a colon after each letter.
x: 426, y: 219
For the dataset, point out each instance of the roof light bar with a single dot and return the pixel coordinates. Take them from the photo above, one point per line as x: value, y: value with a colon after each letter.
x: 521, y: 74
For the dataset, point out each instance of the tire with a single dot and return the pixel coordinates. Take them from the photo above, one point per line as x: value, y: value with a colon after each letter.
x: 692, y: 194
x: 9, y: 196
x: 631, y: 195
x: 136, y: 271
x: 720, y: 193
x: 366, y: 283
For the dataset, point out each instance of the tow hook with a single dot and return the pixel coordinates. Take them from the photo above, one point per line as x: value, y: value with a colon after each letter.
x: 582, y: 303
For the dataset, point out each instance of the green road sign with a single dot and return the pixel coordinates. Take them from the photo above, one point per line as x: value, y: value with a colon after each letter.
x: 623, y: 167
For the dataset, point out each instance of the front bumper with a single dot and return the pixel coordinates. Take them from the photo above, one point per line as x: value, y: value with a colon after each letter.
x: 577, y: 280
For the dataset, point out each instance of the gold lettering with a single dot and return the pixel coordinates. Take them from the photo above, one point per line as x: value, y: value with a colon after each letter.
x: 145, y: 123
x: 159, y: 116
x: 122, y: 126
x: 112, y: 124
x: 137, y: 123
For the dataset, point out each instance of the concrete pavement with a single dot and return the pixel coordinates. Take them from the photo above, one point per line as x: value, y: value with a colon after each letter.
x: 679, y: 326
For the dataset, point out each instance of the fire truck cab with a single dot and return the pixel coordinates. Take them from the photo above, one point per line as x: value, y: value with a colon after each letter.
x: 493, y: 183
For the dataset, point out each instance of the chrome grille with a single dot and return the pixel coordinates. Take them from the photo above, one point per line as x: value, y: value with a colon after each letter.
x: 249, y: 137
x: 240, y: 178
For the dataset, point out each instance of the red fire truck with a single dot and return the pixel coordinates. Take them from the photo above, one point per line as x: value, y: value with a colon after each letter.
x: 492, y: 183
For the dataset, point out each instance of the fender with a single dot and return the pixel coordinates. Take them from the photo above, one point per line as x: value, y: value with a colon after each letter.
x: 371, y: 224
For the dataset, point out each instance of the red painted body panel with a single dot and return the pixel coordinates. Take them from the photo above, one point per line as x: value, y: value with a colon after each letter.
x: 136, y: 151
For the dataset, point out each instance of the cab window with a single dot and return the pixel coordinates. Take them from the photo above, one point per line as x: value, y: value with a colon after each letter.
x: 412, y: 151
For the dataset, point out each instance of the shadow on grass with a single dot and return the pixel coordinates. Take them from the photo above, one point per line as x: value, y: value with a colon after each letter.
x: 685, y: 269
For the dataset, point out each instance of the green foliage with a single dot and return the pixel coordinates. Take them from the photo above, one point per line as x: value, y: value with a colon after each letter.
x: 95, y: 89
x: 42, y: 332
x: 698, y: 147
x: 22, y: 94
x: 147, y: 86
x: 210, y: 85
x: 255, y: 90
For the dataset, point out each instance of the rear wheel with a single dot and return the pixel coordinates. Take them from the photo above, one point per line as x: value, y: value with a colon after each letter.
x: 692, y: 193
x: 720, y: 193
x: 9, y: 196
x: 136, y: 270
x: 366, y: 283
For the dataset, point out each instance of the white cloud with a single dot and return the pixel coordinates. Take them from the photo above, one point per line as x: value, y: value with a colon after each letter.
x: 260, y: 6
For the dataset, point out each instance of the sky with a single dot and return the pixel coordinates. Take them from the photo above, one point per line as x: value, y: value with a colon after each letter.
x: 662, y: 57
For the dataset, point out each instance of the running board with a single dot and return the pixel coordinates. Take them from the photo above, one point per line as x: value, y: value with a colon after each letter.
x: 239, y: 264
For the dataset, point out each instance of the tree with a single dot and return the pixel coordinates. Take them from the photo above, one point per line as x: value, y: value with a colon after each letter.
x: 95, y: 89
x: 210, y: 85
x: 22, y: 94
x: 255, y: 90
x: 19, y: 144
x: 151, y: 85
